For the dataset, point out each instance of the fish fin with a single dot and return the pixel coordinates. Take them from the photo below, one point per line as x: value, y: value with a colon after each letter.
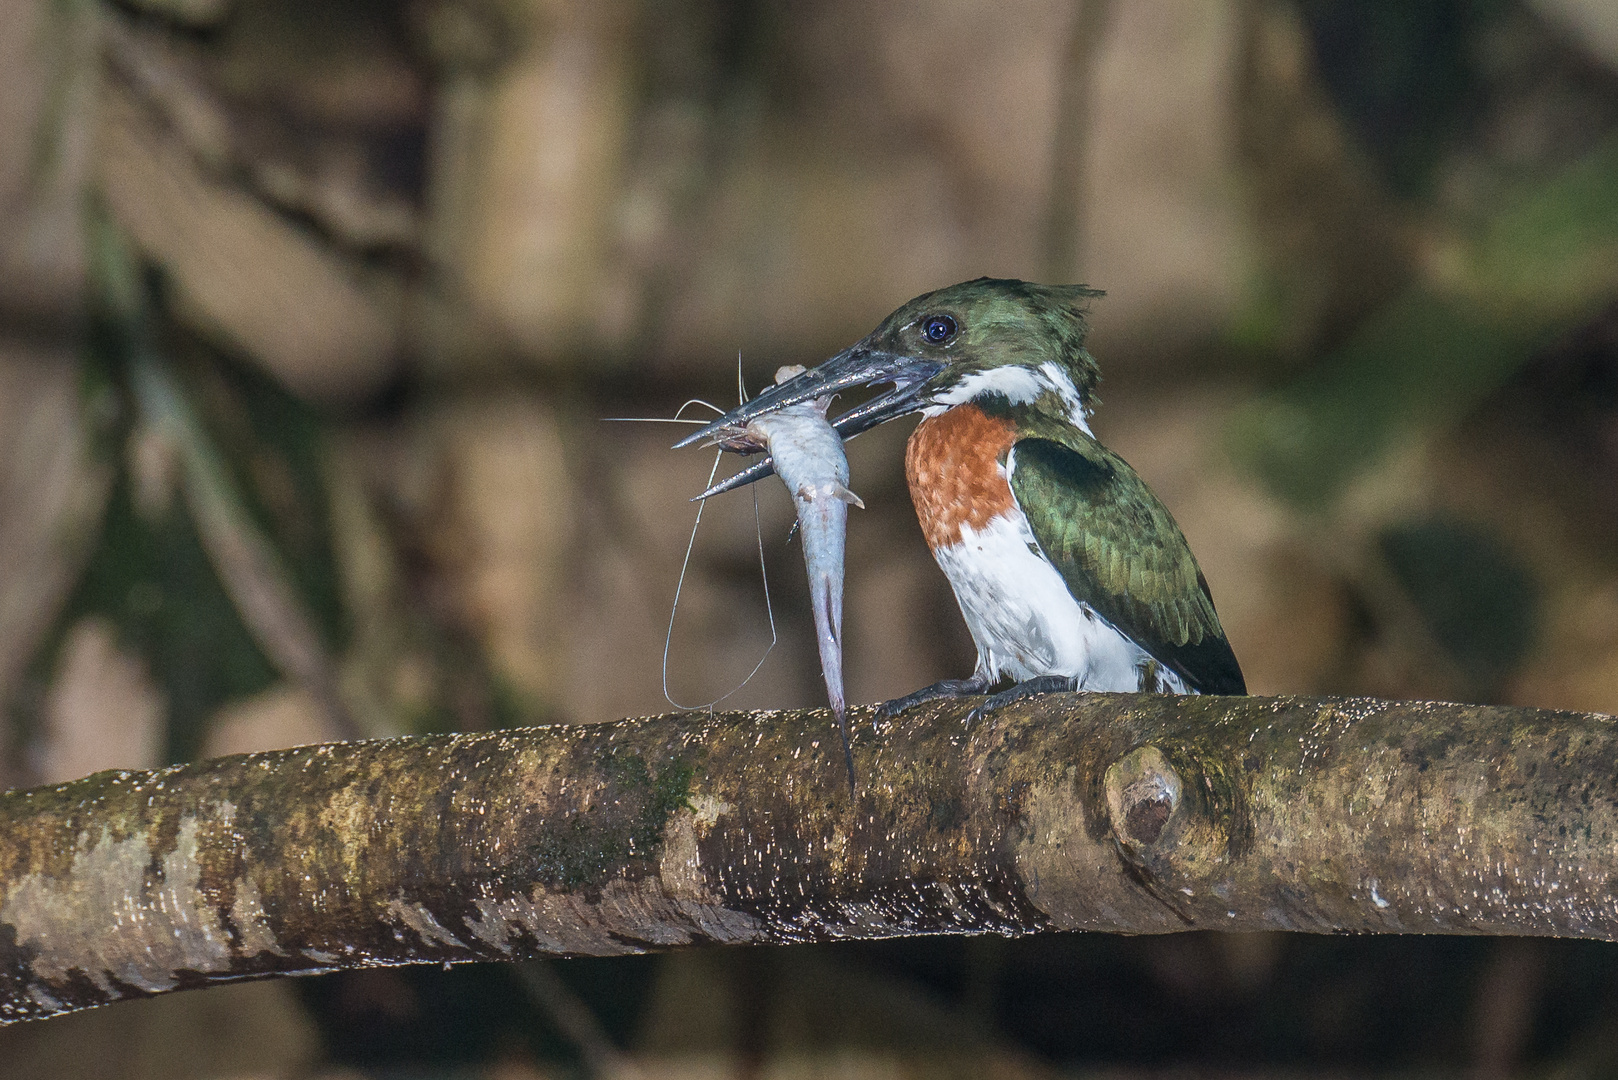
x: 848, y: 496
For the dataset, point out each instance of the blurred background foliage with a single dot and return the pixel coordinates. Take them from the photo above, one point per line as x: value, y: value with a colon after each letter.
x: 310, y: 312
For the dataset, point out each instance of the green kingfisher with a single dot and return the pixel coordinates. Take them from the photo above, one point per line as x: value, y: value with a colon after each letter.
x: 1069, y: 571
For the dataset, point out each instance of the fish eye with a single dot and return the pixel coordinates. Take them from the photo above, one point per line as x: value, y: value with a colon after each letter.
x: 938, y: 329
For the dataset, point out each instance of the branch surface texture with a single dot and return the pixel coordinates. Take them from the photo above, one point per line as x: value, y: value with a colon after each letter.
x: 1115, y: 812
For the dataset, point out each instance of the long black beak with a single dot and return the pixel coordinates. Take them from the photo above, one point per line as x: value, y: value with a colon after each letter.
x: 857, y: 366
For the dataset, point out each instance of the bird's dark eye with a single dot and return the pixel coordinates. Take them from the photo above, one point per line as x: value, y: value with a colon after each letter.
x: 939, y: 329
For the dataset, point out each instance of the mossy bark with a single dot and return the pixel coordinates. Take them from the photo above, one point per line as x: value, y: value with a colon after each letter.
x: 1122, y: 813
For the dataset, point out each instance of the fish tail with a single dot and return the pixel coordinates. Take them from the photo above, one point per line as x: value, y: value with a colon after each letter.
x: 828, y: 608
x: 829, y: 632
x: 823, y: 522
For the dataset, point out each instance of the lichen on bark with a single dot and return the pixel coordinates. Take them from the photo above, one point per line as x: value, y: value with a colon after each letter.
x: 1124, y: 813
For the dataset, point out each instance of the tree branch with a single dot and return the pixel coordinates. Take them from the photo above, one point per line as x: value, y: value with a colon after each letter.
x: 1121, y: 813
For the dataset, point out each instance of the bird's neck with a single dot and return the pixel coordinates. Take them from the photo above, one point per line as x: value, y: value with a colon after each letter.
x: 1047, y: 390
x: 955, y: 465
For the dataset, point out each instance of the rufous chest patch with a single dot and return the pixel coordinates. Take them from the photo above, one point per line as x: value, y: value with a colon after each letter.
x: 952, y: 464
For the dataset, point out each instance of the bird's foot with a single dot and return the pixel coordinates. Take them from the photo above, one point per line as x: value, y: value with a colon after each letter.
x: 1040, y: 684
x: 948, y: 688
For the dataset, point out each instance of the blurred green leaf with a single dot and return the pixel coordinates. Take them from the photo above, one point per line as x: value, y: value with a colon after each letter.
x: 1419, y: 361
x: 153, y: 579
x: 1545, y: 264
x: 1552, y: 257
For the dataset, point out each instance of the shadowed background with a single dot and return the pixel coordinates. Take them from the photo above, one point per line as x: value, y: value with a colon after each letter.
x: 310, y: 315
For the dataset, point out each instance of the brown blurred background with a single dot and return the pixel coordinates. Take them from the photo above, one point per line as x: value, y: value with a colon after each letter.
x: 311, y: 312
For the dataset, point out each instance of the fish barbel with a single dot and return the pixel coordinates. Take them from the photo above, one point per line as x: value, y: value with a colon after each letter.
x: 810, y: 460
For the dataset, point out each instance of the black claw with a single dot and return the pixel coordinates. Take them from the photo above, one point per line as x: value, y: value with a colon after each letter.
x: 1041, y: 684
x: 947, y: 688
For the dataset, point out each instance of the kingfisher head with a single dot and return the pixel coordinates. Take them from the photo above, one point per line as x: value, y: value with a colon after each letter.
x: 1020, y: 342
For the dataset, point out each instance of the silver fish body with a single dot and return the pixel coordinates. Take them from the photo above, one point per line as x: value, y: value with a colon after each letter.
x: 810, y: 460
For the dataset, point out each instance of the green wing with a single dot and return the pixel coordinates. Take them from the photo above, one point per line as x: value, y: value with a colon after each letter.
x: 1119, y: 550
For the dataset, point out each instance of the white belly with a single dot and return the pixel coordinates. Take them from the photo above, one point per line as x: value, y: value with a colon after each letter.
x: 1025, y: 623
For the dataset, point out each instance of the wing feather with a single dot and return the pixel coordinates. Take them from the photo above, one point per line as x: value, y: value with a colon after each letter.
x: 1119, y: 550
